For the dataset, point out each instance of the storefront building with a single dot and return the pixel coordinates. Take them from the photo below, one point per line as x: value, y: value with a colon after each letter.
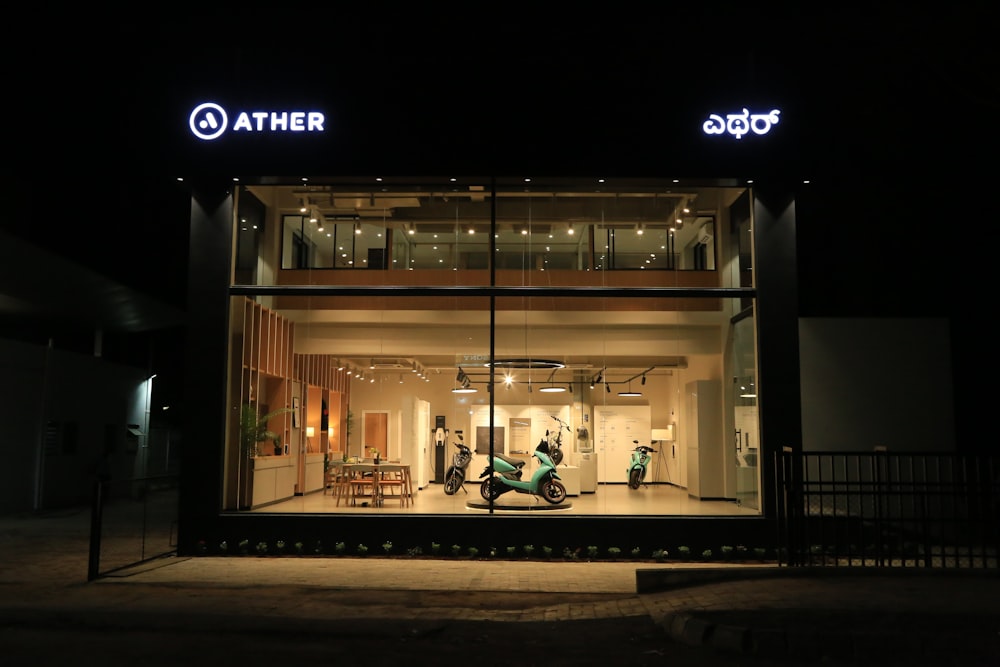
x: 356, y: 296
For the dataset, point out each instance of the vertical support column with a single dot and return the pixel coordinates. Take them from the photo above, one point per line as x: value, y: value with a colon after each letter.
x: 779, y: 402
x: 207, y: 338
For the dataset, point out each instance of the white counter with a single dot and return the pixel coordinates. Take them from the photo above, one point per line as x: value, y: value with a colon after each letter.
x: 273, y: 479
x: 570, y: 477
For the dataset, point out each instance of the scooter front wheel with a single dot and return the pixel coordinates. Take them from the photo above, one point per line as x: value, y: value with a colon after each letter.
x: 635, y: 478
x: 556, y: 456
x: 490, y: 488
x: 553, y: 491
x: 453, y: 482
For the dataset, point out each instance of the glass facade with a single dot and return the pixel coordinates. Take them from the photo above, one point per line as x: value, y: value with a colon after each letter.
x: 400, y: 318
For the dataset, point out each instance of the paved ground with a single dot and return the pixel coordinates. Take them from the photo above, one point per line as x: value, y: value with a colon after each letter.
x: 249, y: 610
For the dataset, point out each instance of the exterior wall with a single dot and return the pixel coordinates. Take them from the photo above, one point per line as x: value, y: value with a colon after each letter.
x: 870, y: 382
x: 88, y: 402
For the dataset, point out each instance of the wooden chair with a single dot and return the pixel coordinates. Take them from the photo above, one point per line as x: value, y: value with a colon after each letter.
x: 362, y: 483
x: 391, y: 483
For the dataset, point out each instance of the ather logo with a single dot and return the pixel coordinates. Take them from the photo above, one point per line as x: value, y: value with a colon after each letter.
x: 210, y: 121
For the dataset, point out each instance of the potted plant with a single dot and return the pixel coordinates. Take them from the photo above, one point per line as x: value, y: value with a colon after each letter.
x: 349, y: 429
x: 254, y: 430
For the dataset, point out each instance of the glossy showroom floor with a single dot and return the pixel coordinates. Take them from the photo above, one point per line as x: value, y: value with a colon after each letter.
x: 655, y: 499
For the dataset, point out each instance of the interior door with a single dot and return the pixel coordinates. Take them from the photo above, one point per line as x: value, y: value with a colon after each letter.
x: 375, y: 434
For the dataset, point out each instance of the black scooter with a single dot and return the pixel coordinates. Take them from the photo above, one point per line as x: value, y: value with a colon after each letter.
x: 555, y: 442
x: 454, y: 478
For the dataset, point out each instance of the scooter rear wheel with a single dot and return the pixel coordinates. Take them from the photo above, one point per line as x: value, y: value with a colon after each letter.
x: 634, y: 478
x: 553, y: 491
x: 453, y: 481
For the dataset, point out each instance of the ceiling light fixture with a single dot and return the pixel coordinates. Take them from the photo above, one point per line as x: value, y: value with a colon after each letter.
x: 630, y: 393
x: 465, y: 384
x: 530, y: 364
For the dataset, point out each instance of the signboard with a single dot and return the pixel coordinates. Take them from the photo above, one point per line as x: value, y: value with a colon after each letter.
x: 740, y: 124
x: 209, y: 121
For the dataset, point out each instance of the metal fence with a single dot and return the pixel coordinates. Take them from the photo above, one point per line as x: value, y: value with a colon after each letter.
x: 132, y: 521
x: 881, y: 509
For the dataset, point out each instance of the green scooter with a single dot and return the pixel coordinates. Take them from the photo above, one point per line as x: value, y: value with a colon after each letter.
x: 638, y: 464
x: 503, y: 474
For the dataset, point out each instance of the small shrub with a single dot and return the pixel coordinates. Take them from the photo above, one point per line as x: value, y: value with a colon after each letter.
x: 706, y: 554
x: 636, y: 552
x: 660, y: 554
x: 684, y: 552
x: 547, y: 551
x: 299, y: 548
x: 435, y: 548
x: 415, y: 551
x: 224, y: 546
x: 318, y: 547
x: 340, y: 548
x: 760, y: 553
x: 362, y: 550
x: 591, y: 552
x: 244, y: 546
x: 473, y: 552
x: 387, y: 547
x: 511, y: 552
x: 492, y: 552
x: 280, y: 546
x: 455, y: 550
x: 529, y: 549
x: 614, y: 552
x: 261, y: 547
x: 726, y: 550
x: 569, y: 554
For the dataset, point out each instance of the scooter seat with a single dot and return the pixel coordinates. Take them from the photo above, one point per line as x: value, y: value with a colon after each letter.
x: 517, y: 463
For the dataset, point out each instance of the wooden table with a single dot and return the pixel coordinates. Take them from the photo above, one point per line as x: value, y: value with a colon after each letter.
x: 366, y: 480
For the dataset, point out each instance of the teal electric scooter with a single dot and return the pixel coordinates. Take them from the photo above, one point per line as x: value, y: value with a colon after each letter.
x: 503, y: 475
x: 638, y: 464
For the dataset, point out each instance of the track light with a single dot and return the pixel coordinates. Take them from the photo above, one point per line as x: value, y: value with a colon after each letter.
x: 465, y: 384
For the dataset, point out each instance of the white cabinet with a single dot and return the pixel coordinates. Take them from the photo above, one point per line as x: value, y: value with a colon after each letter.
x: 703, y: 425
x: 273, y: 479
x: 314, y: 471
x: 570, y: 477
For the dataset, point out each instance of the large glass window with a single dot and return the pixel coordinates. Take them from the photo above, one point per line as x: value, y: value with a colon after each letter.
x: 404, y: 366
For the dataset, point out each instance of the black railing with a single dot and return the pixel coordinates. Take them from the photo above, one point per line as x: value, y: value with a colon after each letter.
x: 882, y: 509
x: 132, y: 521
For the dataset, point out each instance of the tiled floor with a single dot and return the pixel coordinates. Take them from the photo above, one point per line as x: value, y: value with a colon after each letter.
x: 658, y: 499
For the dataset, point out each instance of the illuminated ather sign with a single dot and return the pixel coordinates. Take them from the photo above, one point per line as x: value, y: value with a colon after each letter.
x: 739, y: 124
x: 210, y: 121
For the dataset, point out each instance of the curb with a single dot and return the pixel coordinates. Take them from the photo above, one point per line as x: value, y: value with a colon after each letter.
x: 818, y: 644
